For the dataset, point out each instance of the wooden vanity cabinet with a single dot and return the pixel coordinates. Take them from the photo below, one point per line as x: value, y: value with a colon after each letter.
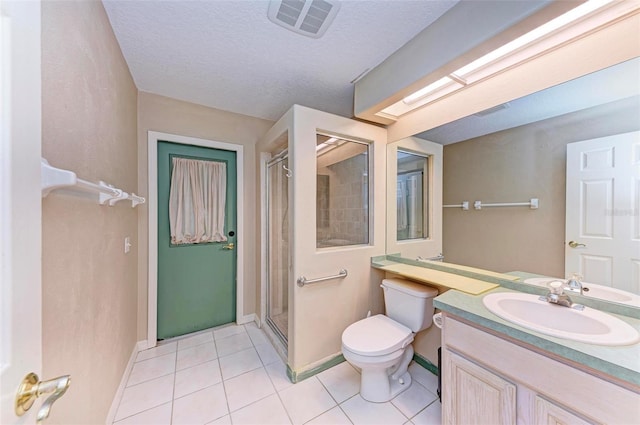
x: 489, y: 378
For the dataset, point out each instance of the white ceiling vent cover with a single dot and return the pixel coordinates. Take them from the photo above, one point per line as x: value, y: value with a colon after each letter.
x: 306, y: 17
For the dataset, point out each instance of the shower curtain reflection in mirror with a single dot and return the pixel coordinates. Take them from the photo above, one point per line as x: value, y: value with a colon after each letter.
x: 411, y: 196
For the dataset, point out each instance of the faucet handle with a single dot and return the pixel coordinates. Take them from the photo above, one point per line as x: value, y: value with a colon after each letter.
x: 556, y: 287
x: 574, y: 284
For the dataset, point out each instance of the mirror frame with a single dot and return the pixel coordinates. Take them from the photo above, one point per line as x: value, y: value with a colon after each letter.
x: 431, y: 245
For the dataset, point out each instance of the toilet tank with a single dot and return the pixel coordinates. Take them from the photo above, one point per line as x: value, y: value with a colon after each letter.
x: 409, y: 303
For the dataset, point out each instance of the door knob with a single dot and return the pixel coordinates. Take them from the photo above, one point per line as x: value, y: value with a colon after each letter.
x: 229, y: 247
x: 574, y: 244
x: 32, y: 387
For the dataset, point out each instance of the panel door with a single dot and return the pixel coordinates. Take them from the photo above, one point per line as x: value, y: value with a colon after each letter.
x: 475, y: 395
x: 197, y: 282
x: 603, y: 200
x: 20, y: 205
x: 550, y: 413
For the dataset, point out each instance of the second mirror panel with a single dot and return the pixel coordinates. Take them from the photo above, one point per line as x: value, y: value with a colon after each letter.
x: 414, y: 198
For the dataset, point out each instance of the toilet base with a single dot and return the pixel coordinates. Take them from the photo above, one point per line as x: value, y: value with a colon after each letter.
x: 397, y: 387
x: 378, y: 387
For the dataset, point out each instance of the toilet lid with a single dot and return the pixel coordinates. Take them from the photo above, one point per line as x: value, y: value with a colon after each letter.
x: 376, y: 336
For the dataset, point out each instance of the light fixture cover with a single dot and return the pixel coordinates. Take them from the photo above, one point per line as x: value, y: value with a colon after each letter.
x: 306, y: 17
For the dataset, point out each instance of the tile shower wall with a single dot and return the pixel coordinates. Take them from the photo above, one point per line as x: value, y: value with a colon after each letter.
x: 348, y: 193
x: 349, y: 214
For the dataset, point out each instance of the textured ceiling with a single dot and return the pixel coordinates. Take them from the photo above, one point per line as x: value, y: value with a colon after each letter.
x: 228, y: 55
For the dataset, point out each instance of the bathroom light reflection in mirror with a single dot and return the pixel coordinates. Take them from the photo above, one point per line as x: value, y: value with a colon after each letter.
x: 412, y: 222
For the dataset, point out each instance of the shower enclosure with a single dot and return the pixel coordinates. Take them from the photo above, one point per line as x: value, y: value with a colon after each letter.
x: 277, y: 308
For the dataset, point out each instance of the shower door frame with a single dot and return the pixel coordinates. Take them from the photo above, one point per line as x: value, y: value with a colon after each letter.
x: 267, y: 158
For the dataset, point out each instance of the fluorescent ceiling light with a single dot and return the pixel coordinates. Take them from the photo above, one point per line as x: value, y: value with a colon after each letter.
x: 327, y: 143
x: 414, y: 97
x: 541, y: 31
x: 445, y: 85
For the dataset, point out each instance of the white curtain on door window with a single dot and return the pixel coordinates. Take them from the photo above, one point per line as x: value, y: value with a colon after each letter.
x: 197, y: 201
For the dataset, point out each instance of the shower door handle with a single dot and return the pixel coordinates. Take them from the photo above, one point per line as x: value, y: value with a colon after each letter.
x: 229, y: 247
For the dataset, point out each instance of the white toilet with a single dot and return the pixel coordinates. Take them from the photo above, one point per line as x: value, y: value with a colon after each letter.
x: 381, y: 345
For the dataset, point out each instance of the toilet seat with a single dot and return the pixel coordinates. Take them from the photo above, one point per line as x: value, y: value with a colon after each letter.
x: 376, y: 336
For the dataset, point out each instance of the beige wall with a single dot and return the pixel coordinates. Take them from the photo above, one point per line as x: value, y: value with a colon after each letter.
x: 514, y: 166
x: 89, y: 284
x: 163, y: 114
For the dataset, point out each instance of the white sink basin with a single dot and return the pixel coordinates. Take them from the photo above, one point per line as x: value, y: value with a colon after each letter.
x: 589, y: 325
x: 601, y: 292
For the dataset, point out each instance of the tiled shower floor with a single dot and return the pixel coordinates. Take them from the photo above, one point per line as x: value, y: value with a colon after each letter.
x: 232, y: 375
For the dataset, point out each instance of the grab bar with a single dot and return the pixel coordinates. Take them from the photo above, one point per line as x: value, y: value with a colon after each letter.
x: 303, y: 280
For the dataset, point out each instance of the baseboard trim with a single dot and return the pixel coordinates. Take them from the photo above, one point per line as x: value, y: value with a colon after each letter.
x: 248, y: 318
x: 111, y: 415
x: 297, y: 376
x: 425, y: 363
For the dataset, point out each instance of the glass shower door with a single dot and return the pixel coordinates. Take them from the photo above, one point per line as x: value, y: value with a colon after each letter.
x: 278, y: 247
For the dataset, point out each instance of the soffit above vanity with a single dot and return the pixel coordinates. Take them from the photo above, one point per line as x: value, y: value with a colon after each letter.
x: 555, y: 43
x: 465, y: 32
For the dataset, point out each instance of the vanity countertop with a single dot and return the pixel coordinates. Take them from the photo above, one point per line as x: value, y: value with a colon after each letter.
x: 434, y: 277
x: 622, y: 362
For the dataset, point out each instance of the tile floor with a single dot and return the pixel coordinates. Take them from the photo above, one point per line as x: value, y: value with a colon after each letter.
x: 233, y: 375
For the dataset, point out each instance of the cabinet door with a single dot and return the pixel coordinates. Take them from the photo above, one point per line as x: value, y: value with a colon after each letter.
x: 549, y: 413
x: 475, y: 395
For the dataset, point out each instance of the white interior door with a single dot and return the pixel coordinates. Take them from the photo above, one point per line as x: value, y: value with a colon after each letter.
x: 603, y: 211
x: 20, y: 203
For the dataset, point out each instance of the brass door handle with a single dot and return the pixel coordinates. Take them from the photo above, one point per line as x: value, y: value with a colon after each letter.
x: 229, y: 247
x: 574, y: 244
x: 31, y: 388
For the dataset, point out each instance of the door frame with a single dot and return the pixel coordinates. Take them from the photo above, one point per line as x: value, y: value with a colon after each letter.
x: 153, y: 137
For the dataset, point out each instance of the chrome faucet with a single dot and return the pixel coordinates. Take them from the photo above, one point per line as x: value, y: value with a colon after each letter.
x: 557, y: 296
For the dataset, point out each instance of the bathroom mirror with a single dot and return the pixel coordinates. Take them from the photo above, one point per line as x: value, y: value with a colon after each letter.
x: 518, y: 151
x: 414, y: 198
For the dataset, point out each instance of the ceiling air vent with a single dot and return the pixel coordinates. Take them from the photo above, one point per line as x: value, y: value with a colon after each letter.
x: 306, y: 17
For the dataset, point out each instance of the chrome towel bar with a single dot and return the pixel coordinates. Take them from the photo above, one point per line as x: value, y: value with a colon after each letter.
x: 303, y: 280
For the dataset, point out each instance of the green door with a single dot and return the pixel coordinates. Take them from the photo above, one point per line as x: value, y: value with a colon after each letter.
x: 197, y: 282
